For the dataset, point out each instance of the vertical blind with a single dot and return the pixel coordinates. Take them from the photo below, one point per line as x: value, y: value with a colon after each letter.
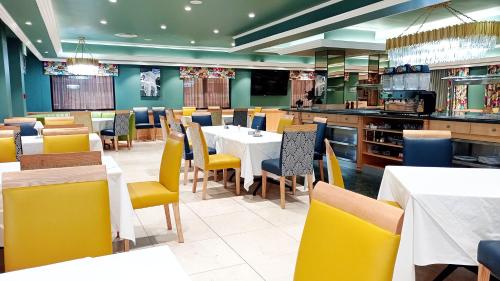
x: 202, y: 93
x: 82, y: 93
x: 299, y: 91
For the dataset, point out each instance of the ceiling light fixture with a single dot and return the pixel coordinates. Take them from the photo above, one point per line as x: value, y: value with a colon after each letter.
x: 233, y: 44
x: 112, y: 1
x: 465, y: 41
x: 82, y: 63
x: 163, y: 26
x: 216, y: 31
x: 251, y: 15
x: 148, y: 39
x: 104, y: 22
x: 187, y: 8
x: 126, y: 35
x: 193, y: 42
x: 46, y: 52
x: 28, y: 23
x: 196, y: 2
x: 39, y: 41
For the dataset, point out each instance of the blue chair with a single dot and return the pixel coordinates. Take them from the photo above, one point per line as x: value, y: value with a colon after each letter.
x: 296, y: 158
x: 319, y: 145
x: 142, y: 118
x: 202, y: 118
x: 157, y: 112
x: 259, y: 121
x: 120, y: 128
x: 488, y: 256
x: 426, y: 148
x: 240, y: 117
x: 26, y: 125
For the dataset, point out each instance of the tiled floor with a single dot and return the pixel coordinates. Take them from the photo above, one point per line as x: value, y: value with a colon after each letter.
x: 229, y: 237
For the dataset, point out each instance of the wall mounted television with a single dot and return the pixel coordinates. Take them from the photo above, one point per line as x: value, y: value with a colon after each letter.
x: 269, y: 82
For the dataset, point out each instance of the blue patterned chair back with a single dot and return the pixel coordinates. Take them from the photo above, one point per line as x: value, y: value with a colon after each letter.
x: 141, y: 115
x: 121, y: 124
x: 426, y: 148
x: 216, y: 117
x: 259, y: 121
x: 297, y: 150
x: 200, y: 149
x: 319, y: 146
x: 187, y: 149
x: 202, y: 118
x: 157, y: 112
x: 240, y: 117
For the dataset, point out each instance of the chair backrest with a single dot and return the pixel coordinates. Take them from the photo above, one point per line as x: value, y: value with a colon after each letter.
x: 348, y: 236
x: 179, y: 128
x: 259, y: 121
x: 121, y: 123
x: 17, y: 139
x: 240, y: 117
x: 319, y: 146
x: 64, y: 126
x: 26, y: 125
x: 66, y: 143
x: 65, y: 131
x: 257, y: 109
x: 108, y: 114
x: 203, y: 118
x: 427, y: 148
x: 200, y: 149
x: 188, y: 110
x: 67, y: 120
x: 18, y: 120
x: 170, y: 168
x: 60, y: 160
x: 215, y: 107
x: 7, y: 146
x: 83, y: 117
x: 285, y: 120
x: 216, y: 116
x: 55, y: 215
x: 170, y: 117
x: 334, y: 171
x: 157, y: 112
x: 297, y: 150
x: 141, y: 115
x: 165, y: 130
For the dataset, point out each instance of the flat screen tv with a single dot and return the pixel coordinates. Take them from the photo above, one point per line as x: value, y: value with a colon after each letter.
x: 269, y: 82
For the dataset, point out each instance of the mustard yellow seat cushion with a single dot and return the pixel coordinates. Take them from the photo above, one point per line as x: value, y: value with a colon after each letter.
x: 392, y: 203
x: 149, y: 194
x: 222, y: 161
x: 8, y: 148
x: 66, y: 143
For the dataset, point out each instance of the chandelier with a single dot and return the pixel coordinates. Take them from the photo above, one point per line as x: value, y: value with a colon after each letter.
x: 468, y: 40
x: 82, y: 64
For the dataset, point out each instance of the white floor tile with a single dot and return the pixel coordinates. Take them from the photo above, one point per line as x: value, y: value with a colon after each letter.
x: 237, y: 222
x: 215, y: 207
x: 241, y: 272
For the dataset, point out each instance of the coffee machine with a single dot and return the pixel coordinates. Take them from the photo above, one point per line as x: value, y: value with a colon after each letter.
x: 417, y: 102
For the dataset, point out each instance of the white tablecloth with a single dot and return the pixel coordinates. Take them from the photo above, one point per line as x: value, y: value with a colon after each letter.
x: 251, y: 150
x: 99, y: 124
x: 447, y: 212
x: 122, y: 213
x: 157, y: 263
x: 34, y: 144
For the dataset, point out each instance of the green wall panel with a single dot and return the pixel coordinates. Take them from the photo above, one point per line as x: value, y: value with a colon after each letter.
x: 240, y: 89
x: 16, y: 77
x: 475, y: 94
x: 38, y: 93
x: 5, y: 96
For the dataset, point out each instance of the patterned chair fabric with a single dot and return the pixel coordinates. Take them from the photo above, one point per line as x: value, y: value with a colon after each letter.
x: 259, y: 122
x: 216, y: 117
x: 170, y: 118
x: 203, y: 120
x: 188, y: 152
x: 240, y: 117
x: 199, y: 145
x: 157, y: 112
x: 120, y: 126
x: 19, y: 145
x: 319, y: 146
x: 142, y: 118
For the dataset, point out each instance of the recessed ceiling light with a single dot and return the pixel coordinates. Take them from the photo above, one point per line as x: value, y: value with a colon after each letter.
x: 187, y: 8
x: 104, y: 22
x: 196, y: 2
x: 46, y: 52
x: 192, y: 42
x: 28, y: 23
x: 251, y: 15
x: 216, y: 31
x: 233, y: 44
x: 39, y: 41
x: 147, y: 39
x: 112, y: 1
x: 126, y: 35
x: 163, y: 26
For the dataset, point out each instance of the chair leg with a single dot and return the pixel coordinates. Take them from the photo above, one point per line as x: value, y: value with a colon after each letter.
x: 264, y: 183
x: 126, y: 245
x: 216, y: 176
x: 310, y: 185
x: 115, y: 141
x: 129, y: 142
x: 167, y: 215
x: 178, y: 225
x: 186, y: 171
x: 195, y: 179
x: 205, y: 182
x: 483, y: 273
x: 294, y: 184
x: 224, y: 177
x: 321, y: 172
x: 238, y: 175
x: 282, y: 192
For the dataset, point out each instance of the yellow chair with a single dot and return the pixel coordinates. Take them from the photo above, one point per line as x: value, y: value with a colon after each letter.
x: 334, y: 171
x: 165, y: 129
x: 188, y: 110
x: 68, y: 120
x: 166, y: 190
x: 55, y: 215
x: 7, y: 146
x: 285, y: 120
x: 66, y: 143
x: 206, y: 162
x: 257, y: 109
x: 348, y: 236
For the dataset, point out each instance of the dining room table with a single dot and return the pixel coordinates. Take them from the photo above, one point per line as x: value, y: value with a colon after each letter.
x: 102, y: 123
x: 121, y: 211
x: 155, y: 263
x: 34, y: 144
x: 447, y: 212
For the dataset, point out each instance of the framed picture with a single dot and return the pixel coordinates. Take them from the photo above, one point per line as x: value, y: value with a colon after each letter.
x: 150, y: 82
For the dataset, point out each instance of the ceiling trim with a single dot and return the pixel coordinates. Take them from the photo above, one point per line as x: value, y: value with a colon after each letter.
x: 49, y: 18
x: 152, y: 46
x: 329, y: 21
x: 467, y: 63
x: 11, y: 23
x: 303, y: 12
x: 337, y: 44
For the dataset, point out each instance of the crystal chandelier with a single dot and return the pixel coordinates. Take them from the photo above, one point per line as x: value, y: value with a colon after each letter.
x: 465, y: 41
x: 81, y: 64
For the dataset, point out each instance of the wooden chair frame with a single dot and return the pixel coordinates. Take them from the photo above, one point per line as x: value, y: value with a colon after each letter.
x: 66, y: 131
x: 60, y: 160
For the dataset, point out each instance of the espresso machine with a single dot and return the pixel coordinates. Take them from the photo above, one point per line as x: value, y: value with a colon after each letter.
x: 414, y: 102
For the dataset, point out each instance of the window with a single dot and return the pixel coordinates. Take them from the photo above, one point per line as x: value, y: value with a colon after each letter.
x: 203, y: 93
x: 82, y: 92
x: 299, y: 91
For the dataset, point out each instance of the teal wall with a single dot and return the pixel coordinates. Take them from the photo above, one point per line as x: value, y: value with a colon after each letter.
x: 16, y: 58
x: 5, y: 92
x: 38, y: 96
x: 475, y: 93
x: 240, y: 89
